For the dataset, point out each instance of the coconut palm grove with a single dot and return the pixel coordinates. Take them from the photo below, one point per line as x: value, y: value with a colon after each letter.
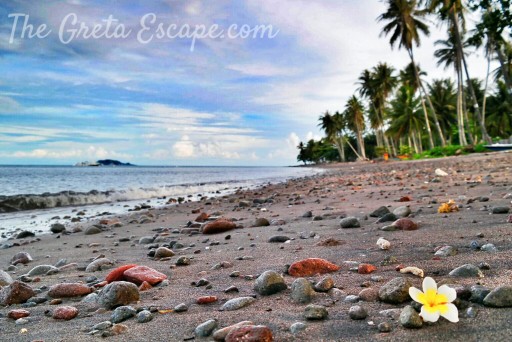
x: 397, y: 113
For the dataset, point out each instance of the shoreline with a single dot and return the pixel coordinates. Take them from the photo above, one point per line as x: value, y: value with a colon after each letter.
x: 355, y: 189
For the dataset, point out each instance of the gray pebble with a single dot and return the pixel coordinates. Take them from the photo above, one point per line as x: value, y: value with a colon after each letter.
x: 315, y: 312
x: 205, y: 329
x: 297, y: 327
x: 357, y: 312
x: 409, y: 318
x: 144, y: 316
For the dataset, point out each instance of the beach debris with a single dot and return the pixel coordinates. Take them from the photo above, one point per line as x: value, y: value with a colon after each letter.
x: 435, y: 301
x: 65, y: 312
x: 440, y: 173
x: 383, y: 244
x: 258, y: 333
x: 448, y: 207
x: 67, y: 290
x: 366, y: 268
x: 310, y: 267
x: 220, y: 225
x: 269, y: 282
x: 413, y: 270
x: 118, y: 293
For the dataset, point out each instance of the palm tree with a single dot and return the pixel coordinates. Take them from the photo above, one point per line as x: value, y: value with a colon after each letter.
x: 452, y: 11
x: 354, y: 114
x: 499, y: 120
x: 404, y: 20
x: 449, y: 55
x: 506, y: 64
x: 444, y: 98
x: 332, y: 125
x: 406, y: 121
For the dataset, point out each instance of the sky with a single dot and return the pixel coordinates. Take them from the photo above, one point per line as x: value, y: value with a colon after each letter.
x: 141, y: 89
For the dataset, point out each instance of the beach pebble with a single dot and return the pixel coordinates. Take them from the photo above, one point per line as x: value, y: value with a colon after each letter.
x: 144, y: 316
x: 405, y: 224
x: 18, y: 313
x: 297, y: 327
x: 396, y: 291
x: 248, y: 333
x: 446, y: 251
x: 478, y: 293
x: 383, y: 244
x: 92, y: 230
x: 380, y: 212
x: 302, y: 291
x: 163, y: 252
x: 21, y: 258
x: 65, y: 312
x: 410, y: 319
x: 220, y: 334
x: 206, y: 300
x: 90, y: 298
x: 441, y: 173
x: 146, y: 240
x: 57, y: 228
x: 65, y: 290
x: 336, y: 294
x: 237, y: 303
x: 218, y: 226
x: 351, y: 299
x: 183, y: 261
x: 489, y: 247
x: 402, y: 211
x: 21, y: 321
x: 5, y: 278
x: 269, y: 282
x: 369, y: 295
x: 350, y: 222
x: 389, y: 228
x: 366, y: 268
x: 324, y: 284
x: 24, y: 234
x: 118, y: 293
x: 98, y: 265
x: 357, y: 312
x: 42, y: 269
x: 122, y: 313
x: 16, y: 293
x: 118, y: 273
x: 205, y: 329
x: 102, y: 325
x: 261, y: 222
x: 467, y: 270
x: 500, y: 297
x: 310, y: 267
x: 389, y: 217
x: 140, y: 274
x: 182, y: 307
x: 278, y: 238
x: 202, y: 217
x: 500, y: 210
x: 509, y: 220
x: 315, y: 312
x: 384, y: 327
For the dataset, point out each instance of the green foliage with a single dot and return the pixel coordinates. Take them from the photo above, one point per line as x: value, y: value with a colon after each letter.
x: 405, y: 150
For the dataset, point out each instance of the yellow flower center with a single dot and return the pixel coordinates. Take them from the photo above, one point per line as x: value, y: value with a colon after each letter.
x: 433, y: 301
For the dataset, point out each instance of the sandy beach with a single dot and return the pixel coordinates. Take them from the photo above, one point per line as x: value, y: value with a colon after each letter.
x: 304, y: 219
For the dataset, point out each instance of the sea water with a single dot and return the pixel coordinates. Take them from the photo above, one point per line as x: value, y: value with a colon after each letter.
x: 31, y: 195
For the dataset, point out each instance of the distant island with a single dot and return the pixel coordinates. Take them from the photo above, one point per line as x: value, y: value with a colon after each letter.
x: 104, y: 162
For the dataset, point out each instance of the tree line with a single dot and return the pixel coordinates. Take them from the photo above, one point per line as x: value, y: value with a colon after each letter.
x: 397, y: 112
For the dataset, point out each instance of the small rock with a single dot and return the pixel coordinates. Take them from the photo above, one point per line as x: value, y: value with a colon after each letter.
x: 218, y: 226
x: 42, y: 270
x: 297, y: 327
x: 396, y: 291
x: 57, y: 228
x: 117, y: 273
x: 269, y: 282
x: 383, y: 244
x: 446, y: 251
x: 163, y: 252
x: 380, y: 212
x: 405, y: 224
x: 366, y: 269
x: 220, y: 335
x: 324, y: 285
x: 440, y: 173
x: 65, y: 312
x: 278, y: 239
x: 310, y: 267
x: 369, y: 295
x: 118, y: 293
x: 350, y: 222
x: 122, y: 313
x: 21, y: 258
x: 302, y: 291
x: 237, y: 303
x: 489, y: 247
x: 5, y: 278
x: 402, y: 211
x: 409, y: 318
x: 351, y: 299
x: 18, y: 313
x: 92, y: 230
x: 140, y: 274
x: 357, y: 312
x: 66, y: 290
x: 25, y: 234
x: 389, y: 217
x: 15, y: 293
x: 500, y: 297
x: 315, y: 312
x: 248, y: 333
x: 384, y: 327
x: 467, y: 270
x: 98, y: 265
x: 261, y: 222
x: 181, y: 307
x: 500, y: 210
x: 183, y: 261
x: 102, y: 325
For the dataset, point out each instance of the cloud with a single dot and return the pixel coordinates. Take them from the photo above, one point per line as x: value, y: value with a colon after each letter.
x: 184, y: 148
x: 262, y: 69
x: 8, y: 105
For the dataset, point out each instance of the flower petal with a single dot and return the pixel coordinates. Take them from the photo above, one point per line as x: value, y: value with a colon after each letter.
x: 429, y: 283
x: 429, y: 316
x: 416, y: 295
x: 450, y: 293
x: 452, y: 314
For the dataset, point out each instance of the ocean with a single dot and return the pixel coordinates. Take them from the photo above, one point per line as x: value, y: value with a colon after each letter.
x: 30, y: 196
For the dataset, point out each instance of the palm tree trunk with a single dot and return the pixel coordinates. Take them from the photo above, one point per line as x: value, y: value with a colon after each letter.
x: 340, y: 146
x: 485, y: 135
x: 504, y: 68
x: 353, y: 149
x: 427, y: 123
x: 460, y: 109
x: 486, y: 84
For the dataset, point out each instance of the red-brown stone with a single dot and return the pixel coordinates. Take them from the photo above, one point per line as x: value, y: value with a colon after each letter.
x: 16, y: 293
x: 366, y: 268
x: 140, y: 274
x: 250, y: 333
x: 65, y: 312
x: 310, y: 267
x: 145, y: 286
x: 405, y: 224
x: 218, y: 226
x: 405, y: 199
x: 206, y: 300
x: 18, y: 313
x: 66, y: 290
x: 202, y: 217
x: 117, y: 273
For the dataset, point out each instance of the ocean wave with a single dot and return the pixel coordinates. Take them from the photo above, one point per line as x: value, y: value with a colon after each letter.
x: 15, y: 203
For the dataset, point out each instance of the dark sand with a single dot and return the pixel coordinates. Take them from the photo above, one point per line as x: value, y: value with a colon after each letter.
x: 354, y: 189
